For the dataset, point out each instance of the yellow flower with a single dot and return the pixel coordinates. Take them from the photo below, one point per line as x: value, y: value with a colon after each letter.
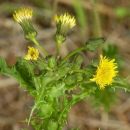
x: 64, y: 23
x: 22, y: 14
x: 66, y: 20
x: 32, y: 54
x: 106, y: 71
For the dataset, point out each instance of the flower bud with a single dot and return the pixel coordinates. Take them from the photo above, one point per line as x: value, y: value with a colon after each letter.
x: 23, y: 16
x: 64, y: 23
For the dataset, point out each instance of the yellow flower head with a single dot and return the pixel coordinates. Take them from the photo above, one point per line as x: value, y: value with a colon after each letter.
x: 105, y: 73
x: 64, y: 23
x: 22, y: 14
x: 66, y: 20
x: 32, y: 54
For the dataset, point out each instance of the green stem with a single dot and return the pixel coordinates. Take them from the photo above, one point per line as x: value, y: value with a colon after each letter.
x: 75, y: 99
x: 73, y: 53
x: 78, y: 98
x: 79, y: 71
x: 62, y: 115
x: 59, y: 39
x: 34, y: 107
x: 38, y: 45
x: 57, y: 49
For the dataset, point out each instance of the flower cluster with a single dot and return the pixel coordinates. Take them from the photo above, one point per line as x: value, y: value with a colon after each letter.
x: 106, y: 71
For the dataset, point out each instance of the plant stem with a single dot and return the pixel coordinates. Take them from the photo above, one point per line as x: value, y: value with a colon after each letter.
x: 38, y: 45
x: 57, y: 49
x: 34, y: 107
x: 73, y: 53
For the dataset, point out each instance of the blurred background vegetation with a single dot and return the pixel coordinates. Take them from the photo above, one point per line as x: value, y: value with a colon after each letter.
x: 95, y: 18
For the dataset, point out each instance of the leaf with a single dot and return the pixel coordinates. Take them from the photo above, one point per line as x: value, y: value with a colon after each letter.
x: 25, y: 73
x: 46, y: 110
x: 63, y: 70
x: 93, y: 44
x: 5, y: 69
x: 122, y: 83
x: 58, y: 90
x: 76, y: 61
x: 90, y: 71
x: 105, y: 98
x: 52, y: 62
x: 3, y: 65
x: 110, y: 50
x: 52, y: 125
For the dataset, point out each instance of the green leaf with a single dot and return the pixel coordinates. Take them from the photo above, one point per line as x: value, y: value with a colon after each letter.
x: 63, y: 69
x: 93, y: 44
x: 76, y: 61
x: 73, y: 80
x: 52, y: 125
x: 104, y: 98
x: 25, y: 73
x: 42, y: 64
x: 46, y: 110
x: 58, y: 90
x: 111, y: 50
x: 5, y: 69
x: 122, y: 83
x: 52, y: 62
x: 3, y: 65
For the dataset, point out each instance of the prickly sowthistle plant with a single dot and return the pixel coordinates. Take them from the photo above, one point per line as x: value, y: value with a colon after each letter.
x: 56, y: 84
